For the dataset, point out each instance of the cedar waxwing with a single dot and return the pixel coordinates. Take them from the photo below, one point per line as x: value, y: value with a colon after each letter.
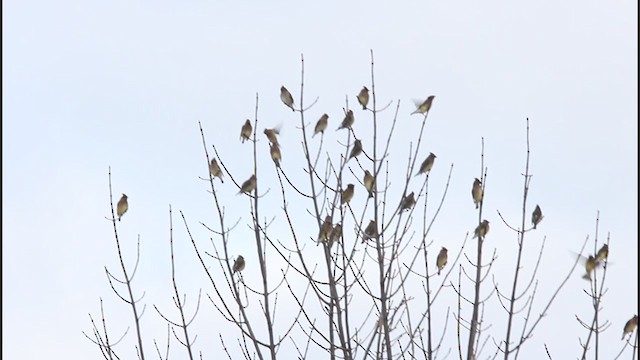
x: 122, y: 207
x: 427, y: 164
x: 476, y: 192
x: 245, y: 133
x: 370, y: 231
x: 536, y: 216
x: 238, y: 265
x: 424, y: 106
x: 603, y: 253
x: 215, y: 170
x: 369, y: 182
x: 482, y: 229
x: 276, y: 156
x: 335, y: 235
x: 441, y: 261
x: 321, y: 125
x: 407, y: 202
x: 347, y: 194
x: 363, y: 97
x: 589, y: 266
x: 356, y: 150
x: 271, y: 135
x: 630, y: 326
x: 325, y: 229
x: 347, y: 122
x: 248, y: 186
x: 286, y: 97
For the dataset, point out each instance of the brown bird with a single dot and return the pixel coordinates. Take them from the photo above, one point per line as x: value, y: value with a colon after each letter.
x: 630, y: 326
x: 325, y: 229
x: 407, y: 202
x: 215, y: 170
x: 476, y: 192
x: 363, y: 97
x: 427, y: 164
x: 371, y: 231
x: 276, y: 156
x: 347, y: 122
x: 424, y: 106
x: 321, y: 125
x: 589, y: 266
x: 249, y: 185
x: 369, y: 182
x: 441, y: 260
x: 482, y: 230
x: 245, y: 132
x: 536, y: 216
x: 356, y: 150
x: 122, y: 207
x: 272, y: 135
x: 238, y: 265
x: 286, y: 97
x: 603, y: 253
x: 335, y: 235
x: 347, y: 194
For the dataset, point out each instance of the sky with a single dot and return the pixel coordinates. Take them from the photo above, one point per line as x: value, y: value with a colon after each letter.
x: 121, y: 85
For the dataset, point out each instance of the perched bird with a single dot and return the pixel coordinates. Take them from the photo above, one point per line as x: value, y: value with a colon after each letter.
x: 248, y: 186
x: 589, y: 266
x: 286, y: 97
x: 335, y: 235
x: 441, y: 261
x: 603, y: 253
x: 369, y: 182
x: 321, y: 125
x: 536, y: 216
x: 276, y: 156
x: 238, y: 265
x: 476, y: 192
x: 325, y: 229
x: 630, y: 326
x: 347, y: 194
x: 122, y: 207
x: 427, y: 164
x: 347, y: 122
x: 271, y: 135
x: 424, y: 106
x: 407, y: 202
x: 356, y: 150
x: 482, y: 229
x: 245, y: 132
x: 370, y: 231
x: 215, y: 170
x: 363, y: 97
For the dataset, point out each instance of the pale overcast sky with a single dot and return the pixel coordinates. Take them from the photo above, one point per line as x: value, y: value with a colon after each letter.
x: 88, y: 85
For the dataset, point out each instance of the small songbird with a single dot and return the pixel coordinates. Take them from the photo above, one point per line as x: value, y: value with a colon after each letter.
x: 427, y: 164
x: 476, y: 192
x: 276, y: 156
x: 248, y: 186
x: 325, y: 229
x: 589, y: 266
x: 347, y: 122
x: 215, y: 170
x: 272, y: 135
x: 536, y: 216
x: 603, y: 253
x: 441, y: 261
x: 356, y: 150
x: 630, y: 326
x: 347, y: 194
x: 363, y: 97
x: 238, y: 265
x: 286, y: 97
x: 424, y: 106
x: 408, y: 202
x: 123, y: 206
x: 245, y: 133
x: 371, y: 231
x: 482, y: 229
x: 369, y: 182
x: 335, y: 235
x: 321, y: 125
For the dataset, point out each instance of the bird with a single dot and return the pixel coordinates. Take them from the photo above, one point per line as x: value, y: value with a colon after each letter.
x: 441, y: 260
x: 476, y: 192
x: 424, y: 106
x: 286, y: 97
x: 325, y: 229
x: 629, y: 326
x: 427, y: 164
x: 370, y: 231
x: 356, y: 150
x: 408, y: 202
x: 536, y: 216
x: 215, y: 170
x: 363, y: 97
x: 603, y: 253
x: 589, y: 266
x: 123, y: 206
x: 238, y: 265
x: 369, y: 182
x: 276, y: 156
x: 245, y: 132
x: 336, y: 233
x: 249, y: 185
x: 482, y: 230
x: 348, y: 120
x: 321, y: 125
x: 271, y: 135
x: 347, y: 194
